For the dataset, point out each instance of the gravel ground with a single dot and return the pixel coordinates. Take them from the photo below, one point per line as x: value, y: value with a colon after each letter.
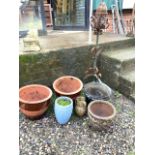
x: 46, y: 137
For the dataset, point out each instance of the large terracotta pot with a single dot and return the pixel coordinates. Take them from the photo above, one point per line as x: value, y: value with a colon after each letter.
x: 101, y: 113
x: 68, y: 86
x: 34, y: 100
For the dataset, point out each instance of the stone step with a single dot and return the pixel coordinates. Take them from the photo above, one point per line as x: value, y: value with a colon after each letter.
x: 113, y: 45
x: 128, y: 78
x: 127, y: 66
x: 132, y: 97
x: 119, y: 60
x: 127, y: 83
x: 110, y: 78
x: 121, y: 54
x: 117, y: 67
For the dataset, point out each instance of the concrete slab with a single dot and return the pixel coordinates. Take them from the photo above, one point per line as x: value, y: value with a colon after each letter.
x: 121, y: 54
x: 56, y: 40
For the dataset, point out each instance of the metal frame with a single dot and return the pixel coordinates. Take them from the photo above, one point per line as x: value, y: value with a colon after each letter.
x: 85, y: 27
x: 43, y: 19
x: 42, y: 31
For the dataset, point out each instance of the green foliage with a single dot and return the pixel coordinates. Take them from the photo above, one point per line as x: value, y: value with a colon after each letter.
x: 30, y: 58
x: 131, y: 153
x: 64, y: 102
x: 53, y: 97
x: 117, y: 94
x: 51, y: 106
x: 49, y: 110
x: 82, y: 93
x: 118, y: 106
x: 131, y: 113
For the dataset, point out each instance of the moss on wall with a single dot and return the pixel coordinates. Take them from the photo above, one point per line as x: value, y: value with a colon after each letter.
x: 44, y: 68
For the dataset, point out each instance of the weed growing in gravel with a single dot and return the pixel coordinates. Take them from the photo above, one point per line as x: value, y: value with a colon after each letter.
x: 131, y: 153
x: 117, y: 94
x: 118, y: 106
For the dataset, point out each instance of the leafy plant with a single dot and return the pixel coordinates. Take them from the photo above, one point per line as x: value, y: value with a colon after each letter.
x: 64, y: 102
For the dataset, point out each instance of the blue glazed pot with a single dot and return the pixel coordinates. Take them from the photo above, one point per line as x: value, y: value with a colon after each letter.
x: 63, y: 113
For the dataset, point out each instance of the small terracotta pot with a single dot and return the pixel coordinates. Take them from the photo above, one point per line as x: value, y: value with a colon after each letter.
x: 101, y: 113
x: 34, y: 100
x: 68, y: 86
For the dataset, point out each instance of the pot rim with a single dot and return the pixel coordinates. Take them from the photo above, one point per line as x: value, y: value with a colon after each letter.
x: 97, y: 85
x: 39, y: 101
x: 99, y: 117
x: 64, y: 93
x: 62, y: 97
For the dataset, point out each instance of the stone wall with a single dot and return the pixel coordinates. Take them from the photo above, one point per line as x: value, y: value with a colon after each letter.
x: 44, y: 68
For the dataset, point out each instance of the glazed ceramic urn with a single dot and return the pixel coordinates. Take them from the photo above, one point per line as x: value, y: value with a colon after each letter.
x: 63, y: 109
x: 80, y: 106
x: 101, y: 114
x: 34, y: 100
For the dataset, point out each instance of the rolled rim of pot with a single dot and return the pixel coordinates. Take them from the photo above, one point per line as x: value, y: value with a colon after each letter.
x: 47, y: 89
x: 102, y: 87
x: 64, y: 97
x: 101, y: 117
x: 67, y: 77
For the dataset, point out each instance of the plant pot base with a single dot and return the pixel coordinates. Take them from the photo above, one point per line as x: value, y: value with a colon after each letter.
x: 35, y: 114
x: 99, y: 125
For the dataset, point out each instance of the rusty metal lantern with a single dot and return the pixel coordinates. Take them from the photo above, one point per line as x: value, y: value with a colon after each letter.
x: 100, y: 21
x: 102, y: 9
x: 97, y: 89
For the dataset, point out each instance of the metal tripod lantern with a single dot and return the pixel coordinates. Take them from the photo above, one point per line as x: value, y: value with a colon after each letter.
x: 96, y: 89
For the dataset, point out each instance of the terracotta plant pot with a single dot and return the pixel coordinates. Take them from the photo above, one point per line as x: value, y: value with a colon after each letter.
x: 101, y: 113
x: 68, y: 86
x: 34, y: 100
